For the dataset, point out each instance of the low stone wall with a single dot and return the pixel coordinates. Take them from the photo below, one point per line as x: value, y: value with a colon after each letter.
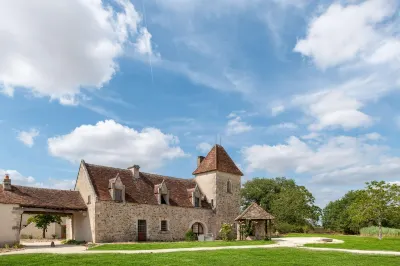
x: 118, y: 222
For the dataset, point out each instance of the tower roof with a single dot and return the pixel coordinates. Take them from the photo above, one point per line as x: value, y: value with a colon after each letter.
x: 218, y: 160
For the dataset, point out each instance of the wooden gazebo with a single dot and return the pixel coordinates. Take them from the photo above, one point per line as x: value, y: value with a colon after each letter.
x: 258, y: 219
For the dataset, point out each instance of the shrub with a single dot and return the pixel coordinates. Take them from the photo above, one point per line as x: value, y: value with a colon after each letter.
x: 373, y: 231
x: 73, y: 242
x: 226, y: 232
x: 54, y: 236
x: 17, y: 246
x: 6, y: 246
x: 285, y: 228
x: 190, y: 236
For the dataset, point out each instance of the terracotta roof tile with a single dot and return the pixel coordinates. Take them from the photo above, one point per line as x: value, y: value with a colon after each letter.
x: 141, y: 190
x: 43, y: 198
x: 218, y: 160
x: 255, y: 212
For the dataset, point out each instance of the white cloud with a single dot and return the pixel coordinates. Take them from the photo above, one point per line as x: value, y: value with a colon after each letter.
x: 373, y: 136
x: 17, y: 178
x: 283, y: 126
x: 63, y: 184
x: 345, y: 33
x: 275, y: 110
x: 28, y: 137
x: 237, y: 126
x: 204, y: 147
x: 339, y: 160
x: 56, y: 48
x: 333, y: 109
x: 143, y: 43
x: 112, y: 144
x: 311, y: 136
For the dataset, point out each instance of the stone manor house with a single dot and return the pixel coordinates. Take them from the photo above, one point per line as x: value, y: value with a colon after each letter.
x: 111, y: 204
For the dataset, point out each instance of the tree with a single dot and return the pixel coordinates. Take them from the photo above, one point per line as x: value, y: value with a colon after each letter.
x: 291, y: 204
x: 336, y: 216
x: 42, y: 221
x: 379, y: 202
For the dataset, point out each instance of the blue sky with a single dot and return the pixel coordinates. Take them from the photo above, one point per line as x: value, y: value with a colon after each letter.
x: 302, y: 89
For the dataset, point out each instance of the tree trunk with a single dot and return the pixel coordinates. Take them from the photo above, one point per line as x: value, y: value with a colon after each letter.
x: 44, y: 233
x: 380, y: 230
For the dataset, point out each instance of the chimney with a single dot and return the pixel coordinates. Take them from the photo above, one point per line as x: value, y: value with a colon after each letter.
x: 199, y: 160
x: 135, y: 170
x: 7, y: 182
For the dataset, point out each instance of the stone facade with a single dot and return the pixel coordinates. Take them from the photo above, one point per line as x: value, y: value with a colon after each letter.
x: 10, y: 223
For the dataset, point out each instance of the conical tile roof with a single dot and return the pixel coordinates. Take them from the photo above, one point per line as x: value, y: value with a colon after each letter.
x: 218, y: 160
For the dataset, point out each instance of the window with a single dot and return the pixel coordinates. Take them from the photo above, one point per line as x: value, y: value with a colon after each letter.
x: 164, y: 225
x: 197, y: 229
x: 118, y: 194
x: 163, y: 199
x: 212, y: 203
x: 229, y: 187
x: 88, y: 199
x: 196, y: 202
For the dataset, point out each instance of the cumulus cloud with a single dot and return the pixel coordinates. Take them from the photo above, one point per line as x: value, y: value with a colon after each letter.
x: 204, y: 147
x: 56, y: 48
x: 28, y: 137
x: 337, y: 160
x: 275, y: 110
x: 17, y: 178
x: 344, y: 33
x: 236, y: 126
x: 112, y: 144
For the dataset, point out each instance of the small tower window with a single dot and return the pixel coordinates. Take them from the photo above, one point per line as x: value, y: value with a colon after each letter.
x: 118, y: 194
x: 229, y: 186
x: 88, y: 199
x: 197, y: 202
x: 164, y: 225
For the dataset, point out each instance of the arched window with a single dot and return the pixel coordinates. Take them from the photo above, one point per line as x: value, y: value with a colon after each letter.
x: 197, y: 229
x: 229, y: 186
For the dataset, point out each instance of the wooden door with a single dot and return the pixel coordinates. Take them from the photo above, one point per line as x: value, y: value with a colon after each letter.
x: 142, y: 230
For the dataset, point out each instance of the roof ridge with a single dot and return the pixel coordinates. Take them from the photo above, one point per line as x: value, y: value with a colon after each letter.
x: 169, y: 177
x: 105, y: 166
x: 43, y: 188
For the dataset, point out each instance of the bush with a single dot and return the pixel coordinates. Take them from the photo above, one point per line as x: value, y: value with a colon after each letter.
x: 226, y: 232
x: 6, y: 246
x: 73, y: 242
x: 17, y: 246
x: 54, y: 236
x: 285, y: 228
x: 374, y: 230
x: 190, y: 236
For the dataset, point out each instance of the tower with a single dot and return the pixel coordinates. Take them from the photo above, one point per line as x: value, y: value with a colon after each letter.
x: 219, y: 179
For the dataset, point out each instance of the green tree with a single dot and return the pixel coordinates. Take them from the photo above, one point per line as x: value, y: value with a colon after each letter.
x: 291, y: 204
x: 42, y: 221
x: 378, y: 203
x: 336, y: 216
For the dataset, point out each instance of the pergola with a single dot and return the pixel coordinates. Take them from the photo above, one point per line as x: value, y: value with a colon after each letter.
x: 262, y: 219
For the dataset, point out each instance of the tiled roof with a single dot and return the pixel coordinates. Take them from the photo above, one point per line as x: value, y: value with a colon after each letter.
x: 218, y: 160
x: 42, y: 198
x: 141, y: 190
x: 255, y: 212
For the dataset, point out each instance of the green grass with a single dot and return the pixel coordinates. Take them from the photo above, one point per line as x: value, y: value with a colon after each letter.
x: 374, y: 230
x: 276, y: 256
x: 356, y: 242
x: 168, y: 245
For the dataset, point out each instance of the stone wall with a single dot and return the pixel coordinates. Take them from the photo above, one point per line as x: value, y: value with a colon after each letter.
x: 227, y: 204
x: 118, y: 222
x: 9, y: 225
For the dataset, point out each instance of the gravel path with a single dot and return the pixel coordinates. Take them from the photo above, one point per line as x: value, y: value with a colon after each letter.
x: 293, y: 242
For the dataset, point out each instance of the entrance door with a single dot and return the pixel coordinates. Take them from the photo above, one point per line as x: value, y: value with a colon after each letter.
x: 142, y: 230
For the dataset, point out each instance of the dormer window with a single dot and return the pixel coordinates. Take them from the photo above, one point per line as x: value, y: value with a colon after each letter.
x: 116, y: 189
x: 229, y: 186
x: 196, y: 202
x: 118, y: 195
x: 162, y: 193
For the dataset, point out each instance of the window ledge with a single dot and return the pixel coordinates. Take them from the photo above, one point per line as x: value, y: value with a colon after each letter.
x: 164, y: 232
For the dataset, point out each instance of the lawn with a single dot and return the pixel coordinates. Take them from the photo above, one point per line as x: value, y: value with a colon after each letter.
x: 169, y: 245
x: 356, y: 242
x: 276, y: 256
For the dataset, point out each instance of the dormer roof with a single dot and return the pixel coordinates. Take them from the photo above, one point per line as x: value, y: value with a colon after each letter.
x: 218, y: 160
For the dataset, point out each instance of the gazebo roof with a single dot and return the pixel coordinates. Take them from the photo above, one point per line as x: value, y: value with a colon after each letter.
x: 255, y: 212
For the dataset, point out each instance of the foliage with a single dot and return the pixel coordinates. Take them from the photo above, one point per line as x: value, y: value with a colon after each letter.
x: 377, y: 203
x: 6, y: 246
x: 373, y: 231
x: 336, y: 215
x: 246, y: 228
x: 190, y: 236
x: 289, y: 203
x: 284, y: 228
x: 42, y: 221
x: 226, y: 232
x: 171, y: 245
x: 54, y: 236
x: 262, y: 256
x: 73, y: 242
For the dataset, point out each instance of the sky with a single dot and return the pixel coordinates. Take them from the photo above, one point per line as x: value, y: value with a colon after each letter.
x: 305, y: 89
